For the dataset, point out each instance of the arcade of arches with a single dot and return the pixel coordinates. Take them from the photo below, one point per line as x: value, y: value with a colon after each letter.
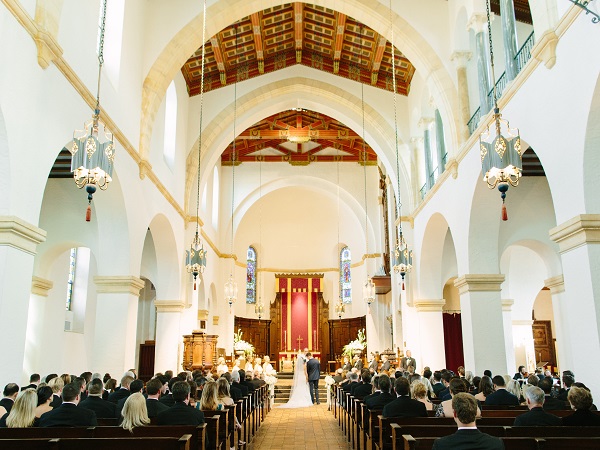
x: 305, y: 92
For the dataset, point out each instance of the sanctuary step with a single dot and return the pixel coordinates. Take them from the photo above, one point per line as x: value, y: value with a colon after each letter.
x: 284, y: 386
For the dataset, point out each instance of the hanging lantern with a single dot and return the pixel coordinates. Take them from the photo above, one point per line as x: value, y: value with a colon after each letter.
x: 231, y: 291
x: 369, y: 291
x: 195, y: 260
x: 402, y: 258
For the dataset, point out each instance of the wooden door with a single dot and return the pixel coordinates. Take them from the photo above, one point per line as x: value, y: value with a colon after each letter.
x: 256, y: 332
x: 543, y: 342
x: 146, y: 362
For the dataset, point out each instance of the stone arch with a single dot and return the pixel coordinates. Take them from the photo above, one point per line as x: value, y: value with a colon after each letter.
x: 168, y: 265
x: 591, y: 155
x: 4, y: 168
x: 187, y: 40
x: 281, y: 95
x: 432, y: 255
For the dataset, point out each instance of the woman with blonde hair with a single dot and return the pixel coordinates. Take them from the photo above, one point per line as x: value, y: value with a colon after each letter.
x: 418, y: 391
x: 135, y: 412
x: 57, y: 384
x: 210, y: 398
x: 66, y: 378
x: 22, y: 414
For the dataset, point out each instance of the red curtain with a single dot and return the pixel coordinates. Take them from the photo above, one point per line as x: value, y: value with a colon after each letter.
x: 453, y: 341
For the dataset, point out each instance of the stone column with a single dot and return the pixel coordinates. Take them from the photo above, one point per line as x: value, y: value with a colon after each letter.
x: 509, y: 36
x: 417, y: 151
x: 168, y: 335
x: 431, y: 333
x: 116, y: 324
x: 18, y: 243
x: 557, y: 290
x: 478, y: 23
x: 578, y: 240
x: 508, y: 331
x: 460, y: 59
x: 35, y: 323
x: 482, y: 322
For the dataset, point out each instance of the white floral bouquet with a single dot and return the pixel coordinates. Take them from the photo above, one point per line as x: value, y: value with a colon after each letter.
x: 358, y: 344
x: 241, y: 345
x: 329, y: 380
x: 270, y: 379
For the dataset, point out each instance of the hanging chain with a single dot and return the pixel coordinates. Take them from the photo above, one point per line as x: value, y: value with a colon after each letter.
x: 259, y: 221
x: 101, y: 54
x: 201, y: 110
x: 399, y: 200
x: 362, y: 99
x: 489, y: 24
x: 337, y: 169
x: 233, y: 156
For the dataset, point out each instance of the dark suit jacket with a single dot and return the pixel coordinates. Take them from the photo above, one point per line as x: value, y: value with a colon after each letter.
x: 582, y: 418
x: 180, y: 414
x: 31, y: 386
x: 380, y: 401
x: 313, y: 368
x: 404, y: 406
x: 374, y: 365
x: 406, y: 361
x: 56, y: 401
x: 7, y: 403
x: 501, y: 397
x: 552, y: 404
x: 537, y: 417
x: 386, y: 365
x: 348, y: 386
x: 241, y: 387
x: 373, y: 395
x: 236, y: 393
x: 118, y: 395
x: 167, y: 400
x: 102, y: 408
x: 468, y: 440
x: 437, y: 388
x: 441, y: 394
x: 155, y: 407
x: 250, y: 386
x: 69, y: 415
x: 362, y: 389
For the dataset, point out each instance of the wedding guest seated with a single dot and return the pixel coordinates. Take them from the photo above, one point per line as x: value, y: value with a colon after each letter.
x: 66, y: 378
x: 384, y: 397
x: 486, y: 388
x: 475, y: 386
x: 353, y: 380
x: 236, y: 394
x: 465, y: 408
x: 376, y: 389
x: 581, y: 402
x: 338, y: 377
x: 134, y: 412
x: 404, y: 406
x: 11, y: 390
x: 364, y: 388
x: 22, y: 414
x: 44, y: 398
x: 167, y: 398
x: 109, y: 387
x: 122, y: 392
x: 34, y: 381
x: 536, y: 416
x: 235, y: 382
x: 568, y: 379
x: 419, y: 392
x: 501, y: 396
x: 426, y: 379
x: 246, y: 381
x: 514, y: 387
x: 444, y: 409
x: 68, y: 414
x: 210, y: 398
x: 437, y: 384
x: 550, y: 403
x: 153, y: 406
x: 180, y: 413
x: 134, y: 387
x: 446, y: 377
x: 94, y: 402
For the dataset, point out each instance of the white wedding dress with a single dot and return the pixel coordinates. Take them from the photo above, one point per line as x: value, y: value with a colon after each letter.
x: 300, y: 394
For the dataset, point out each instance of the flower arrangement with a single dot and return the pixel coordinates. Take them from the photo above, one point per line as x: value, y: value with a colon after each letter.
x: 329, y: 380
x: 240, y: 345
x: 270, y: 379
x: 358, y: 344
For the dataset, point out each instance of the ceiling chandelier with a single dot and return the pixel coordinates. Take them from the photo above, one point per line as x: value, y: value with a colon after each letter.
x: 195, y: 261
x: 93, y: 149
x: 500, y: 147
x: 402, y: 261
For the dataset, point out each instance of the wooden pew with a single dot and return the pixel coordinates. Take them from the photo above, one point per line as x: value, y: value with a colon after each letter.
x: 48, y: 433
x: 371, y: 421
x: 220, y: 429
x: 517, y: 443
x: 197, y: 442
x: 154, y: 443
x: 26, y: 444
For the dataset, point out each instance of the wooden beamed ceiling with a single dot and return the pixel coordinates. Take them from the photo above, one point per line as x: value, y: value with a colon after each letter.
x: 522, y: 11
x: 297, y: 33
x: 298, y: 137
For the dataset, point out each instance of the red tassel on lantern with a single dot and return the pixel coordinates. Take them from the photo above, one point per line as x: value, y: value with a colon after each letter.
x: 194, y: 284
x: 88, y: 213
x: 402, y: 284
x: 504, y: 213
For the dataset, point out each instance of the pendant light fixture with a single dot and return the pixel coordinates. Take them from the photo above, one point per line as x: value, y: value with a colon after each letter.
x: 402, y: 254
x: 195, y: 261
x: 340, y: 307
x: 231, y: 289
x: 259, y: 308
x: 500, y: 148
x: 93, y: 149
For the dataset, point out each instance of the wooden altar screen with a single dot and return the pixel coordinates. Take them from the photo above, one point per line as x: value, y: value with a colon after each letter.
x: 343, y: 331
x: 256, y: 332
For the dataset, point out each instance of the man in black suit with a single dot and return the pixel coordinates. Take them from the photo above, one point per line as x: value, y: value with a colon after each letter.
x: 364, y: 388
x: 404, y: 406
x: 181, y: 413
x: 536, y: 416
x: 11, y: 390
x: 444, y: 393
x: 373, y: 364
x: 34, y: 381
x: 338, y: 377
x: 376, y: 389
x: 408, y: 360
x: 94, y: 402
x: 134, y: 387
x: 358, y: 363
x: 154, y: 407
x: 550, y: 403
x: 313, y: 370
x: 245, y: 382
x: 501, y: 396
x: 68, y: 414
x: 235, y: 382
x: 437, y: 384
x: 467, y: 436
x: 167, y: 397
x: 384, y: 397
x: 385, y: 365
x: 568, y: 379
x: 122, y: 392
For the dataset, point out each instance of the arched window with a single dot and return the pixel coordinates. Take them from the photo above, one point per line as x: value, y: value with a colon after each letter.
x: 251, y: 275
x: 170, y: 133
x: 71, y: 279
x: 345, y: 276
x: 215, y: 198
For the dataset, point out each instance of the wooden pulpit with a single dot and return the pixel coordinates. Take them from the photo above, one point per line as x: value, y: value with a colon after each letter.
x: 199, y: 349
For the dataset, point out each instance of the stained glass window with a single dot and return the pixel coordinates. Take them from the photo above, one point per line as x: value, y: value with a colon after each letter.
x: 345, y: 276
x: 251, y: 275
x: 71, y: 280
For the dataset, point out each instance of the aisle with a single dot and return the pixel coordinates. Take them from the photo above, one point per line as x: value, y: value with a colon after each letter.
x: 301, y: 428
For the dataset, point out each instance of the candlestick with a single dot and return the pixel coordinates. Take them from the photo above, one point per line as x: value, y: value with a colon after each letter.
x: 314, y: 339
x: 285, y: 339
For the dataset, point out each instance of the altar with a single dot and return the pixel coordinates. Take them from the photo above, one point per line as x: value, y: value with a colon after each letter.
x: 287, y: 360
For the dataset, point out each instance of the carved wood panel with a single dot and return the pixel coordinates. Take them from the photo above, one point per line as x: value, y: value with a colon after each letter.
x: 341, y: 332
x: 543, y: 342
x: 256, y: 332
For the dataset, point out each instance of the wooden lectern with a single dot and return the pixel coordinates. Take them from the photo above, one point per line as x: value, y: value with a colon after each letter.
x: 199, y: 349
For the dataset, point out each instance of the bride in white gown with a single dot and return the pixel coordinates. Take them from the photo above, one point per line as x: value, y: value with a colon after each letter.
x: 300, y: 394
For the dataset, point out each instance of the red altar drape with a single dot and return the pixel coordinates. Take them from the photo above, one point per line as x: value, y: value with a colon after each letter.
x: 453, y: 341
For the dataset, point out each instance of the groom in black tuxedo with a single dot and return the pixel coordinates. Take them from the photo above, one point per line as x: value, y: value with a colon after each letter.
x: 313, y: 369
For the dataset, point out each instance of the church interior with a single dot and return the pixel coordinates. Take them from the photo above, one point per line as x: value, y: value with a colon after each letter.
x: 298, y: 172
